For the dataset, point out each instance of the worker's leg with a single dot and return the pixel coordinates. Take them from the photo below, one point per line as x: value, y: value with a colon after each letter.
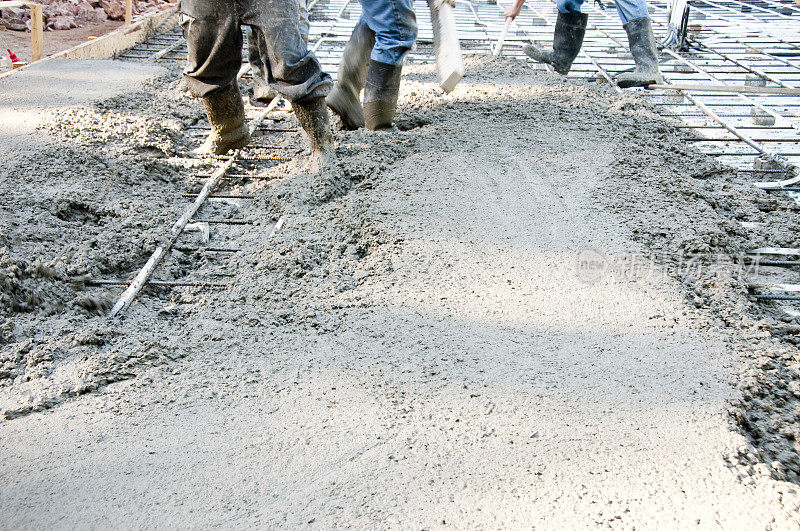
x: 569, y: 6
x: 642, y: 42
x: 262, y: 93
x: 567, y: 37
x: 292, y: 69
x: 214, y: 41
x: 395, y: 27
x: 631, y: 9
x: 345, y: 97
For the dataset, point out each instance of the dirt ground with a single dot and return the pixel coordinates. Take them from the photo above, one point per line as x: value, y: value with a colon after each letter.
x: 54, y: 41
x: 522, y: 307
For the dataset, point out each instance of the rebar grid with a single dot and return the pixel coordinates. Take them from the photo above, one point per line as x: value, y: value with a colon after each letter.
x: 731, y: 43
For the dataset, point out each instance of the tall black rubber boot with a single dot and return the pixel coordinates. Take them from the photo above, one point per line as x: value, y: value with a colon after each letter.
x: 567, y: 42
x: 643, y: 48
x: 225, y: 111
x: 313, y: 118
x: 344, y: 98
x: 380, y: 94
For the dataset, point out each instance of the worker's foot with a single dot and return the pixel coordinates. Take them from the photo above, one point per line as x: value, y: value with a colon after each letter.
x: 347, y: 107
x: 380, y: 94
x: 225, y: 111
x: 643, y: 48
x: 539, y: 55
x: 344, y: 97
x: 313, y: 118
x: 321, y: 159
x: 567, y: 41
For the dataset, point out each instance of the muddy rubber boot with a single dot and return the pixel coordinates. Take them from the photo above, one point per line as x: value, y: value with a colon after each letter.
x: 313, y: 118
x: 567, y: 42
x: 225, y: 111
x: 643, y: 48
x: 380, y: 94
x: 344, y: 98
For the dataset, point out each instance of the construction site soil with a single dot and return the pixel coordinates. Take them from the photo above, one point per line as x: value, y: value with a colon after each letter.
x: 19, y: 42
x: 526, y: 303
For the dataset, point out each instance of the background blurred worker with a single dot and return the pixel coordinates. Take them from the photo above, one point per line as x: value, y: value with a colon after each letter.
x: 571, y: 28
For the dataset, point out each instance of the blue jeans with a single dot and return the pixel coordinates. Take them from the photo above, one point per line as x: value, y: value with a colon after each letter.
x: 627, y: 9
x: 395, y: 27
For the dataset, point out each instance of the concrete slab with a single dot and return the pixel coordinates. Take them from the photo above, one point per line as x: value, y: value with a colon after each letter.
x: 30, y: 94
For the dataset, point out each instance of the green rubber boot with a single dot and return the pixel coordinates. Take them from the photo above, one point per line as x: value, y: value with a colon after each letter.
x: 225, y: 111
x: 344, y: 98
x: 380, y: 94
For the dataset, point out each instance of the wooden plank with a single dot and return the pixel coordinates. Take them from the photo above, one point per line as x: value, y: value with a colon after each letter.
x: 730, y: 88
x: 37, y: 32
x: 109, y: 45
x: 780, y: 251
x: 502, y: 39
x: 790, y: 288
x: 37, y: 25
x: 122, y: 39
x: 449, y: 67
x: 128, y: 12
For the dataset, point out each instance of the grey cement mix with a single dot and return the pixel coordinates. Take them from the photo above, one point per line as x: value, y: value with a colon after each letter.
x: 517, y: 309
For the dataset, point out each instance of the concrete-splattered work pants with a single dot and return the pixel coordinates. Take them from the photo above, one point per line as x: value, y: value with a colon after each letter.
x: 213, y: 33
x: 254, y: 51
